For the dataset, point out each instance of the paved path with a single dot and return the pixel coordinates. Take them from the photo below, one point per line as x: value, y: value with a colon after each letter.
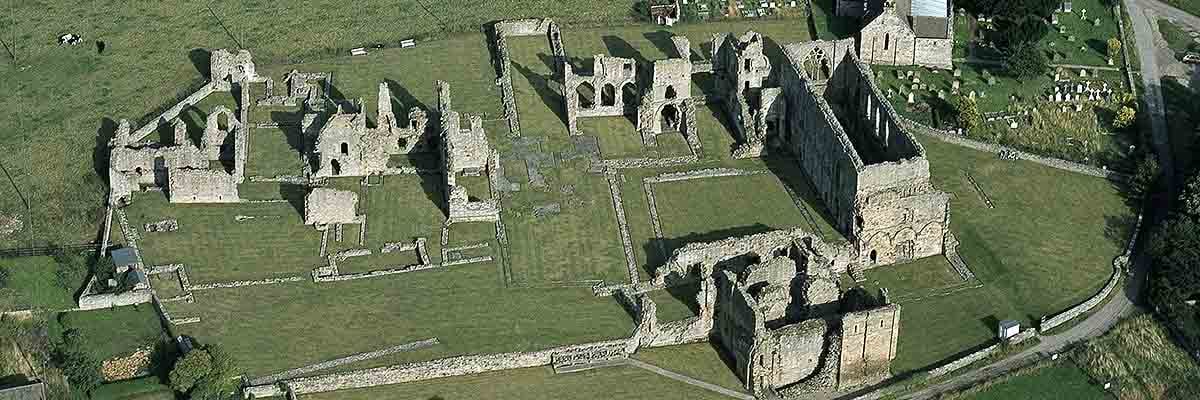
x: 1151, y: 78
x: 689, y: 380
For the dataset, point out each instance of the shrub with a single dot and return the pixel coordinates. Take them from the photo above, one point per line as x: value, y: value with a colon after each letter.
x: 1114, y: 48
x: 968, y: 113
x: 1125, y: 118
x: 1026, y: 61
x: 82, y: 370
x: 206, y: 373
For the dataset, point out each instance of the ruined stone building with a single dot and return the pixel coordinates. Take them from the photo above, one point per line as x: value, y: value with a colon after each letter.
x: 741, y: 71
x: 465, y: 151
x: 870, y: 172
x: 189, y: 172
x: 773, y: 304
x: 346, y: 146
x: 904, y: 32
x: 661, y: 101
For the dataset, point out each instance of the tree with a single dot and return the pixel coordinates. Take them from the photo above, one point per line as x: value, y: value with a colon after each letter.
x: 968, y: 112
x: 1026, y: 61
x: 207, y: 373
x: 1125, y: 117
x: 1145, y: 176
x: 82, y: 370
x: 1114, y: 48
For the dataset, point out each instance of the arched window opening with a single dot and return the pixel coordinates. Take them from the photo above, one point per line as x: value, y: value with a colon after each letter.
x: 608, y: 96
x: 746, y: 65
x: 587, y: 95
x: 345, y: 148
x: 874, y: 256
x: 670, y: 118
x: 670, y: 92
x: 887, y: 41
x: 629, y: 94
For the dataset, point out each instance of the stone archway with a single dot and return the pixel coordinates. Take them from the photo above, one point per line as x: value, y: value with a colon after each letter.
x: 586, y: 94
x: 669, y: 118
x: 629, y: 95
x: 816, y: 65
x: 608, y: 95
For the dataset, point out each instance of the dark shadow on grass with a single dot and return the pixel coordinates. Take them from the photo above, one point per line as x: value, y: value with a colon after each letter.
x: 990, y: 322
x: 202, y: 60
x: 541, y: 85
x: 101, y: 153
x: 788, y: 171
x: 434, y: 187
x: 618, y: 47
x: 403, y: 100
x: 1119, y: 228
x: 294, y: 194
x: 1097, y: 45
x: 658, y: 250
x: 661, y: 39
x: 686, y: 294
x: 726, y: 358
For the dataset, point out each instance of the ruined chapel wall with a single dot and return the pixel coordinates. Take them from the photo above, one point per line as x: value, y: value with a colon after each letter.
x: 868, y: 345
x: 813, y: 134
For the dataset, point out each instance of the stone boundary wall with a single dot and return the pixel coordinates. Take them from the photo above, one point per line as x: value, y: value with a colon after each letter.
x: 442, y: 368
x: 614, y: 189
x: 172, y: 112
x: 107, y: 300
x: 296, y: 372
x: 632, y: 163
x: 702, y: 173
x: 1049, y: 322
x: 952, y: 138
x: 238, y: 284
x: 1120, y: 263
x: 964, y: 361
x: 517, y: 27
x: 951, y: 254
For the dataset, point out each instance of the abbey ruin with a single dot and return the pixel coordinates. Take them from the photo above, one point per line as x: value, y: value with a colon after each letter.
x: 772, y: 301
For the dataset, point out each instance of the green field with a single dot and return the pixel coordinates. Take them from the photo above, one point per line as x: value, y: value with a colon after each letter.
x: 32, y: 284
x: 137, y: 389
x: 468, y: 308
x: 534, y: 384
x: 1036, y: 253
x: 701, y: 361
x: 1141, y: 360
x: 1061, y: 381
x: 114, y: 332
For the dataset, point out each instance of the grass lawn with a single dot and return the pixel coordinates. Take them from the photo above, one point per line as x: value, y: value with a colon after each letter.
x: 535, y: 384
x: 274, y: 152
x: 1036, y: 253
x: 149, y: 59
x: 580, y: 242
x: 147, y: 388
x: 915, y: 278
x: 468, y: 308
x: 698, y: 360
x: 723, y: 207
x: 32, y: 284
x: 1061, y: 381
x: 1141, y: 360
x: 215, y: 247
x: 114, y: 332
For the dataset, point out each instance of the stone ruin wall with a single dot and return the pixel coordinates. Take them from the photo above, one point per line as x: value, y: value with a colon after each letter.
x: 610, y: 75
x: 868, y: 345
x: 519, y: 27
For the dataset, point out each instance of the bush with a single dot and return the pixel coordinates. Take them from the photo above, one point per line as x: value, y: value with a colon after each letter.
x: 206, y: 373
x: 1125, y: 118
x: 1026, y: 61
x: 968, y: 113
x: 1114, y: 48
x: 72, y: 269
x: 71, y: 355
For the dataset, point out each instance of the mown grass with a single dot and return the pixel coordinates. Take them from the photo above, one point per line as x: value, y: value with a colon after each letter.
x: 1091, y: 41
x: 701, y: 361
x: 468, y: 308
x: 32, y: 284
x: 535, y: 384
x: 214, y: 246
x: 137, y: 389
x: 1036, y: 253
x: 1141, y: 360
x: 113, y: 332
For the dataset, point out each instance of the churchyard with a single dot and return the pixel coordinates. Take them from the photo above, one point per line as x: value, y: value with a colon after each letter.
x: 247, y: 271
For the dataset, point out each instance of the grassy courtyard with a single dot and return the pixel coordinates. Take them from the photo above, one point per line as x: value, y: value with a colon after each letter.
x: 113, y: 332
x: 32, y: 284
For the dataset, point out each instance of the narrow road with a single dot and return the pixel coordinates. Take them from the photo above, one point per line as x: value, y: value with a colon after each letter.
x: 1122, y: 304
